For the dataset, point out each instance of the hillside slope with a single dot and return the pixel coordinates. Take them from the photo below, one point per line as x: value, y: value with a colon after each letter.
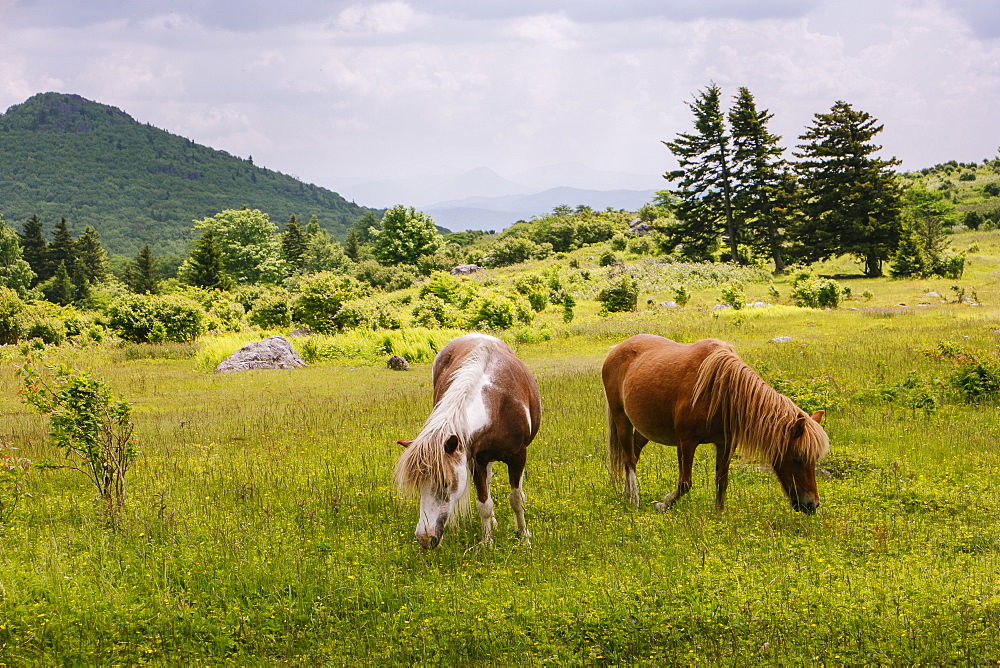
x: 63, y: 155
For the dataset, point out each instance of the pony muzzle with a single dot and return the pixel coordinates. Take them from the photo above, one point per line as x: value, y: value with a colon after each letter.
x: 807, y: 506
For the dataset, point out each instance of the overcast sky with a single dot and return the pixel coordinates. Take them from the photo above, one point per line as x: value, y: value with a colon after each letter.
x: 331, y: 91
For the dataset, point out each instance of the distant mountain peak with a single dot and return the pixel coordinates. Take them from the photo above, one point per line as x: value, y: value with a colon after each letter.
x: 62, y: 112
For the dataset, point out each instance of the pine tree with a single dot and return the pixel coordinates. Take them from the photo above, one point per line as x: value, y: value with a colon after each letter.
x: 761, y: 182
x: 141, y: 275
x: 15, y: 273
x: 63, y: 248
x: 205, y: 267
x: 851, y: 198
x: 35, y: 248
x: 704, y: 190
x: 60, y: 288
x: 293, y: 243
x: 351, y: 244
x: 92, y: 256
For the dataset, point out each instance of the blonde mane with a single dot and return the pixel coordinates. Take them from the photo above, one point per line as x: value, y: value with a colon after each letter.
x: 758, y: 419
x: 425, y: 458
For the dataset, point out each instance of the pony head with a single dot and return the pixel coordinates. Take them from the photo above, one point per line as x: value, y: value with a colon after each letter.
x: 795, y: 464
x: 437, y: 471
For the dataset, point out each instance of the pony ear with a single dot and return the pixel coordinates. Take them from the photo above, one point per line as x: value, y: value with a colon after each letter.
x: 798, y: 428
x: 817, y: 416
x: 404, y: 442
x: 451, y: 444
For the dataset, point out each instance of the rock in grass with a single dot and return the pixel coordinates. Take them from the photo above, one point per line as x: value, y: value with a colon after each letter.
x: 274, y: 352
x: 398, y: 363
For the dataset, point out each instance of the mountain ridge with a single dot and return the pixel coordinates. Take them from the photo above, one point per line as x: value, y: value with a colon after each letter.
x: 62, y: 155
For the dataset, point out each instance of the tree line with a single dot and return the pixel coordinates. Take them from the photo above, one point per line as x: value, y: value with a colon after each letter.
x: 734, y: 186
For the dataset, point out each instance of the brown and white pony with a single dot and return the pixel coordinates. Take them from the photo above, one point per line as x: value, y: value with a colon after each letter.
x: 683, y: 395
x: 486, y: 409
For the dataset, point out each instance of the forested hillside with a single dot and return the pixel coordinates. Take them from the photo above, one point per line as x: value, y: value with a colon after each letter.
x: 63, y: 155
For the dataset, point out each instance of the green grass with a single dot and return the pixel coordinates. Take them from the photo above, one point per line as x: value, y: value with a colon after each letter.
x: 262, y: 525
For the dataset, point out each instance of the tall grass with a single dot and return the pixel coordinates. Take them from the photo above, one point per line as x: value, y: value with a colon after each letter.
x: 263, y: 527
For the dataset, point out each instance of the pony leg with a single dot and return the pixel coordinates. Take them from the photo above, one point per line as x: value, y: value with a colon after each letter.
x: 515, y: 470
x: 685, y: 462
x: 723, y: 457
x: 482, y: 476
x: 626, y: 441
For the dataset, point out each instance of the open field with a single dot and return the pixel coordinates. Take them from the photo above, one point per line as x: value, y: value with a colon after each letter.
x: 263, y: 527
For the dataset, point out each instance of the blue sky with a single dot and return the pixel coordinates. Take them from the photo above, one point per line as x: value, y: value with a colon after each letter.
x: 337, y: 92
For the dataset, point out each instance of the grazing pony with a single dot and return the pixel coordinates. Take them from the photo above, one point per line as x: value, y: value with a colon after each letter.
x: 486, y: 409
x: 683, y: 395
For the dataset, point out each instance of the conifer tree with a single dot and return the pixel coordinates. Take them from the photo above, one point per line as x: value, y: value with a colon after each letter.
x: 293, y: 243
x: 60, y: 288
x: 141, y: 275
x: 351, y: 244
x: 851, y: 198
x: 62, y: 249
x: 704, y: 190
x: 35, y: 248
x: 91, y: 254
x: 762, y: 185
x: 205, y: 267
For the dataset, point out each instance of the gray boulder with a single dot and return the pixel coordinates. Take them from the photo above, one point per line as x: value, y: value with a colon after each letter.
x: 398, y: 363
x: 274, y: 352
x: 465, y: 269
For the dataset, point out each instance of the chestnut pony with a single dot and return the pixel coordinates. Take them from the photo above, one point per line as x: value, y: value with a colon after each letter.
x: 683, y: 395
x: 486, y: 409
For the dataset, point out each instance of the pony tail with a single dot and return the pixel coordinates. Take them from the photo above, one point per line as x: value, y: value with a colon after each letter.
x: 616, y: 460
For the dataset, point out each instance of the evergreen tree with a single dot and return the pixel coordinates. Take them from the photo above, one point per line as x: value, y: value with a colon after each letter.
x: 365, y: 226
x: 704, y: 189
x: 91, y: 254
x: 63, y: 248
x: 351, y: 244
x: 141, y: 275
x: 761, y: 182
x: 851, y: 198
x: 35, y: 248
x: 293, y: 243
x: 205, y: 267
x: 60, y: 288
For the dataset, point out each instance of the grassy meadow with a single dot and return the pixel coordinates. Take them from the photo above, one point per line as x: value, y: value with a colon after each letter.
x: 262, y: 525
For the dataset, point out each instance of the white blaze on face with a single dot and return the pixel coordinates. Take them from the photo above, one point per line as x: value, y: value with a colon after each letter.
x: 435, y: 511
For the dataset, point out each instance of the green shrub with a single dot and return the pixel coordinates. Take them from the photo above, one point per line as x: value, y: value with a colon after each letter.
x: 493, y: 310
x: 50, y: 331
x: 433, y: 312
x: 618, y: 242
x: 11, y: 308
x: 816, y: 292
x: 156, y: 318
x: 88, y: 423
x: 272, y: 312
x: 320, y: 299
x: 608, y: 258
x: 367, y: 314
x: 734, y: 295
x: 621, y: 296
x: 390, y: 279
x: 510, y: 251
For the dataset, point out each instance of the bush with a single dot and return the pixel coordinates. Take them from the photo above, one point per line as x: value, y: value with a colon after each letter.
x: 11, y: 308
x: 510, y: 251
x: 389, y: 279
x: 86, y: 422
x: 272, y: 312
x: 816, y: 292
x: 366, y: 314
x: 608, y: 258
x: 433, y: 312
x: 152, y: 318
x: 734, y: 295
x: 620, y: 296
x: 496, y: 311
x: 992, y: 189
x: 321, y: 298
